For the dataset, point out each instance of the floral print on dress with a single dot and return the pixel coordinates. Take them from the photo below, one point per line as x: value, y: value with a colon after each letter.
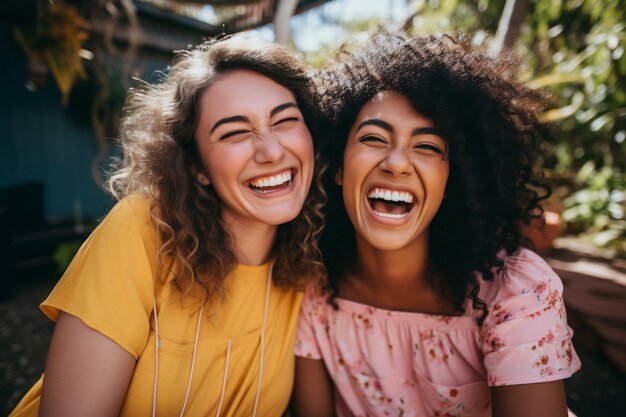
x: 390, y: 363
x: 436, y: 346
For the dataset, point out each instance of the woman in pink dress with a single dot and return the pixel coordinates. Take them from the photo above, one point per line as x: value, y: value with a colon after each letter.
x: 433, y: 308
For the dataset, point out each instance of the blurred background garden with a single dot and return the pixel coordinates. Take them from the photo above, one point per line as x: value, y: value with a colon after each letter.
x: 66, y: 66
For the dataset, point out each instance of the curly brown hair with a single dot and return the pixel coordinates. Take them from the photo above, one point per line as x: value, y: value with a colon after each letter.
x: 490, y: 124
x: 157, y: 138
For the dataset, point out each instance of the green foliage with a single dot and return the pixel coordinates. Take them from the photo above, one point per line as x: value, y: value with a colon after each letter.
x: 453, y: 16
x: 584, y: 39
x: 579, y: 44
x: 597, y: 211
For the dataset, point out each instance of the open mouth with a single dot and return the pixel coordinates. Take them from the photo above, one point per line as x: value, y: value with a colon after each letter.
x: 272, y: 183
x: 390, y: 204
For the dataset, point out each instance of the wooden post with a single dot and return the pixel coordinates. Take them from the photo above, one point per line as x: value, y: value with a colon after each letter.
x: 513, y: 16
x: 284, y: 10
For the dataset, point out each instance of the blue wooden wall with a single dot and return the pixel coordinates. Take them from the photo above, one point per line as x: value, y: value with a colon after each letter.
x: 41, y: 141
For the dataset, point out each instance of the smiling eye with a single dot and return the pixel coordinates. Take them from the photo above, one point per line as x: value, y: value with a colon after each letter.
x: 286, y: 120
x: 429, y: 147
x: 233, y: 133
x: 372, y: 139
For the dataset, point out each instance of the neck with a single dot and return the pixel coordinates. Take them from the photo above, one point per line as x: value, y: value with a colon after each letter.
x: 384, y: 269
x: 394, y: 279
x: 252, y: 242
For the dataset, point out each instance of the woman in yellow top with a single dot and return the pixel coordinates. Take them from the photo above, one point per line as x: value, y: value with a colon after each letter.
x: 184, y: 300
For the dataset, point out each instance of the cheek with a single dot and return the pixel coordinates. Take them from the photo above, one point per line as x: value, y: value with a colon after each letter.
x: 352, y: 159
x: 225, y: 163
x: 350, y: 203
x: 353, y: 176
x: 357, y: 166
x: 296, y: 138
x: 304, y: 144
x: 443, y: 174
x: 308, y: 151
x: 437, y: 179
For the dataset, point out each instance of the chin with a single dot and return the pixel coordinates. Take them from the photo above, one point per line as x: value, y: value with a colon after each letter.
x: 282, y: 219
x: 285, y: 221
x: 385, y: 243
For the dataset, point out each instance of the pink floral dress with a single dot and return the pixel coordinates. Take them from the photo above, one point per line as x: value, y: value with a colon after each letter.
x: 390, y: 363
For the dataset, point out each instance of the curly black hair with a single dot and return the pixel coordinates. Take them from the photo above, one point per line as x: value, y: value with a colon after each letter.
x: 490, y: 124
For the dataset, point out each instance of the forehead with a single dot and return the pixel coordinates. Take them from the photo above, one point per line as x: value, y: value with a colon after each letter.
x: 242, y: 91
x: 391, y: 106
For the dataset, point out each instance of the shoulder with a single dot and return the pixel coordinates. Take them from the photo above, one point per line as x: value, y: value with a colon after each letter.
x: 128, y: 220
x: 132, y: 209
x: 523, y: 262
x: 524, y: 287
x: 109, y: 284
x: 523, y: 272
x: 315, y: 299
x: 126, y: 237
x: 525, y: 337
x: 316, y: 306
x: 526, y: 271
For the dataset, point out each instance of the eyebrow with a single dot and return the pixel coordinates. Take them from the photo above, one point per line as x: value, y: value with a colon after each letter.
x: 231, y: 119
x: 282, y: 107
x: 388, y: 127
x: 376, y: 122
x: 426, y: 131
x: 240, y: 118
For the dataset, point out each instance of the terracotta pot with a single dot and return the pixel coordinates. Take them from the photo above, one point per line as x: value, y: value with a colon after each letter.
x: 542, y: 234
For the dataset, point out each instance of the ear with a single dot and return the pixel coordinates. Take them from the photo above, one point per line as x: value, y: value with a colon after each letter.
x: 339, y: 177
x: 200, y: 176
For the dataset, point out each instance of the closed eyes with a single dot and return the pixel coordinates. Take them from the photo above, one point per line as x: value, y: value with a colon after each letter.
x: 286, y: 119
x: 371, y: 138
x: 233, y: 133
x: 429, y: 147
x: 237, y: 132
x: 425, y: 146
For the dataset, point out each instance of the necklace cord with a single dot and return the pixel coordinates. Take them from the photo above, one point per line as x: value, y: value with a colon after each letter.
x: 195, y: 348
x: 219, y: 407
x: 156, y: 357
x: 193, y: 357
x: 265, y: 310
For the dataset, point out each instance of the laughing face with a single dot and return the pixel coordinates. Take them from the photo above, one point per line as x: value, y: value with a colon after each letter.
x: 255, y: 149
x: 394, y: 175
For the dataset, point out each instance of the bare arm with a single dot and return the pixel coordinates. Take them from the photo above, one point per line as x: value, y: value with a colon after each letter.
x: 546, y: 399
x: 313, y: 390
x: 87, y: 374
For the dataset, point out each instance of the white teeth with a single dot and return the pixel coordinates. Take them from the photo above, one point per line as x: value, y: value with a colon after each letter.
x: 391, y: 195
x: 391, y: 215
x: 272, y: 181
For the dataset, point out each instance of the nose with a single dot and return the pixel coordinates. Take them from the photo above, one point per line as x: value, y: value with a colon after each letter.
x: 397, y: 162
x: 269, y: 150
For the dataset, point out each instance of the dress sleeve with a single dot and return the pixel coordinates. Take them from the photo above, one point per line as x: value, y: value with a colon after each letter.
x: 525, y: 337
x: 310, y: 314
x: 109, y: 284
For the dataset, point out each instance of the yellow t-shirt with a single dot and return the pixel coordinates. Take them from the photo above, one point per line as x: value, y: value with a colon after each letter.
x: 109, y: 286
